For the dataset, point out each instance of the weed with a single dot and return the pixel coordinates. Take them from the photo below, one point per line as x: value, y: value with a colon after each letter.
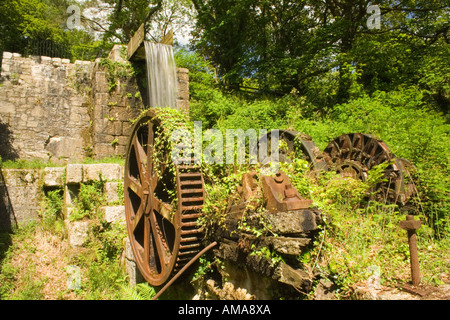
x: 89, y: 200
x: 51, y: 212
x: 27, y: 164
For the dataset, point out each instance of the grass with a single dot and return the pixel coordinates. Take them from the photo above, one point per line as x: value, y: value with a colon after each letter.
x: 41, y: 164
x: 34, y: 258
x: 360, y: 234
x: 27, y: 164
x: 116, y: 159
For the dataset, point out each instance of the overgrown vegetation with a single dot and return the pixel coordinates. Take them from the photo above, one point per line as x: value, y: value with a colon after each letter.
x: 26, y: 164
x: 35, y: 264
x: 310, y: 66
x: 359, y: 234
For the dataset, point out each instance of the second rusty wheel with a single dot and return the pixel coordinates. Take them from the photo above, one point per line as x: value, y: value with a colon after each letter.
x: 163, y: 202
x: 291, y: 144
x: 354, y: 154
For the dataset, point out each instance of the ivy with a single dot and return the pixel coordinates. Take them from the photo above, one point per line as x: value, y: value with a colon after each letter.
x: 116, y: 71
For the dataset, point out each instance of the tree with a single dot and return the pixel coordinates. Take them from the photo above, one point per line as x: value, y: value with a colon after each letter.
x: 27, y: 24
x: 125, y: 17
x: 322, y: 48
x: 30, y: 19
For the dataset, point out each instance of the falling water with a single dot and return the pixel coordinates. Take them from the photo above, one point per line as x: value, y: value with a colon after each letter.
x: 161, y: 75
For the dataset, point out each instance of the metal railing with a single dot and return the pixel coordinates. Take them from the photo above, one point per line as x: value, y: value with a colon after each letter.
x: 47, y: 48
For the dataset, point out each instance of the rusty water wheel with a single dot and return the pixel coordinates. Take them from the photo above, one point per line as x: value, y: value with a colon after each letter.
x: 163, y: 236
x: 354, y: 154
x: 296, y: 144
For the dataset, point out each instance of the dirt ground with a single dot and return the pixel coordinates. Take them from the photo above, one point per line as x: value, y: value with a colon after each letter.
x: 45, y: 258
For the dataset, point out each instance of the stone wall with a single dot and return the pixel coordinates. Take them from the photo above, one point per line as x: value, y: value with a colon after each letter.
x: 42, y: 116
x: 55, y: 110
x: 22, y: 190
x: 20, y: 196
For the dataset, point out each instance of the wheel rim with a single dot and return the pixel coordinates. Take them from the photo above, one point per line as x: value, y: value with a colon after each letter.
x: 156, y: 229
x: 296, y: 143
x: 354, y: 154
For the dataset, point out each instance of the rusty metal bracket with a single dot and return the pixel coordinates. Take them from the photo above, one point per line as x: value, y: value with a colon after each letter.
x: 281, y: 196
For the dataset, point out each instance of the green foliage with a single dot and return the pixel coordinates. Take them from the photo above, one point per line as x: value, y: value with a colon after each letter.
x: 204, y: 267
x: 88, y: 201
x: 51, y: 212
x: 115, y: 159
x: 26, y: 164
x: 361, y: 234
x: 221, y: 184
x: 207, y: 103
x: 26, y: 23
x: 142, y: 291
x: 116, y: 71
x: 409, y: 126
x: 325, y: 51
x: 271, y: 256
x: 258, y: 114
x: 126, y: 17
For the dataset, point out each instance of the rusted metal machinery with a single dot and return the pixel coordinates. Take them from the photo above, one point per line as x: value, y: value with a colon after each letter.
x: 354, y: 154
x: 164, y: 203
x: 163, y: 238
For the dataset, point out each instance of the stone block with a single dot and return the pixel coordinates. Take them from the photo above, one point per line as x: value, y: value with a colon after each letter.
x: 132, y: 270
x: 57, y: 61
x: 122, y: 140
x: 64, y: 147
x: 78, y: 232
x: 115, y: 54
x: 110, y: 190
x: 24, y: 194
x: 7, y: 55
x: 182, y: 105
x: 71, y: 192
x: 292, y: 222
x: 101, y: 83
x: 294, y: 277
x: 5, y: 67
x: 102, y: 150
x: 183, y: 88
x: 74, y: 173
x: 286, y: 245
x: 106, y: 127
x: 127, y: 128
x: 120, y: 150
x: 108, y: 171
x: 7, y: 107
x: 183, y: 74
x: 117, y: 128
x: 113, y: 213
x: 54, y: 176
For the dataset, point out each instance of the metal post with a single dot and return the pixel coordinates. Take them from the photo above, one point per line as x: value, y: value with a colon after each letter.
x: 411, y: 225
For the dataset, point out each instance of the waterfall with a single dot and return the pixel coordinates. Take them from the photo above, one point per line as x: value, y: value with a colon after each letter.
x: 161, y: 75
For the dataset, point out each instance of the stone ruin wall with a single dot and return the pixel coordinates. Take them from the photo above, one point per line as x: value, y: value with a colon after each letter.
x: 52, y: 109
